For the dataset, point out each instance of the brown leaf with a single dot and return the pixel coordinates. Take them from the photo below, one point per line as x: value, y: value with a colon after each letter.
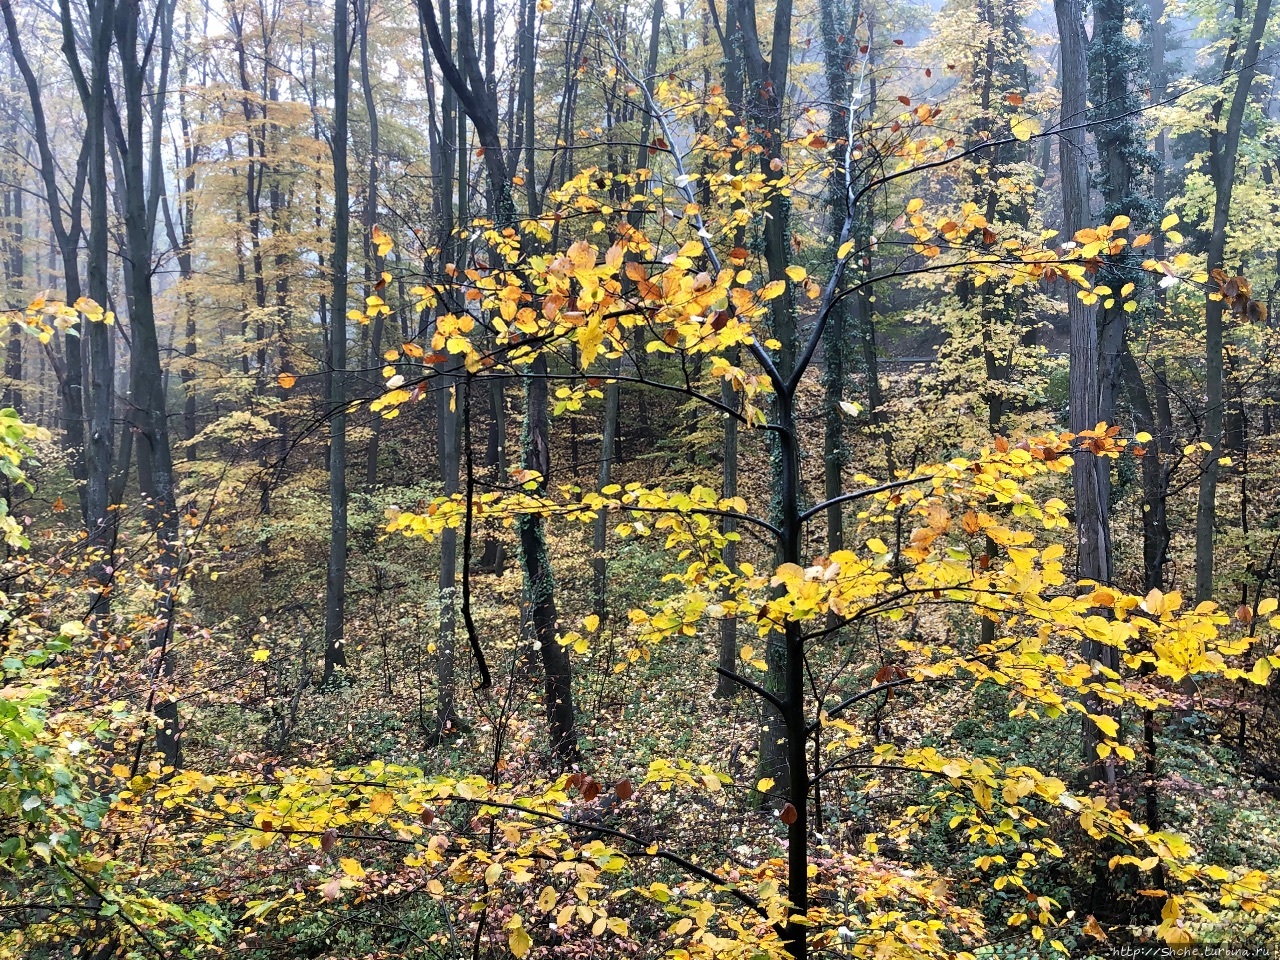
x: 328, y: 840
x: 788, y: 815
x: 624, y: 790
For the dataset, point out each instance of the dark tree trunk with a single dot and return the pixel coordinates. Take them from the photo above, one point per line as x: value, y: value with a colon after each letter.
x: 1224, y: 146
x: 1093, y: 539
x: 335, y: 655
x: 66, y: 233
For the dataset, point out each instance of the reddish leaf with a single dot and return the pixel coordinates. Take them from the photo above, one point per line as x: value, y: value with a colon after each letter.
x: 624, y: 790
x: 788, y: 815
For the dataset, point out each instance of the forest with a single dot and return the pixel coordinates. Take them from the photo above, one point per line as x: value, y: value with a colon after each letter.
x: 586, y: 479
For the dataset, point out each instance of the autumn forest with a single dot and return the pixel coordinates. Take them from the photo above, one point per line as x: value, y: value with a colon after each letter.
x: 586, y: 479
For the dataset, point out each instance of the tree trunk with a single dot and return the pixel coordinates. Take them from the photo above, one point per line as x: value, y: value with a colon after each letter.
x: 764, y: 94
x: 539, y: 581
x: 15, y: 267
x: 1093, y: 553
x: 335, y: 655
x: 1223, y: 149
x: 139, y: 151
x: 373, y: 262
x: 67, y: 238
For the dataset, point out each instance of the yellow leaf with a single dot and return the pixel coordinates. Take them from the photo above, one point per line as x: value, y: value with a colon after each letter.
x: 351, y: 868
x: 382, y: 803
x: 774, y: 289
x: 748, y: 652
x: 1170, y: 221
x: 876, y: 545
x: 492, y: 875
x: 845, y: 249
x: 382, y: 240
x: 1267, y: 606
x: 914, y: 204
x: 1024, y: 128
x: 1106, y: 724
x: 261, y: 656
x: 591, y: 622
x: 547, y: 899
x: 519, y: 941
x: 797, y: 273
x: 765, y: 785
x: 121, y: 771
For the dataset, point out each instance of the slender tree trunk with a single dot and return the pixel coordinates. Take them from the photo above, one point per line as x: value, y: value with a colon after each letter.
x: 539, y: 581
x: 765, y: 93
x: 16, y: 269
x: 726, y: 687
x: 92, y: 88
x: 335, y: 656
x: 373, y: 262
x: 66, y: 235
x: 609, y: 425
x: 148, y: 414
x: 449, y: 165
x: 1224, y: 146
